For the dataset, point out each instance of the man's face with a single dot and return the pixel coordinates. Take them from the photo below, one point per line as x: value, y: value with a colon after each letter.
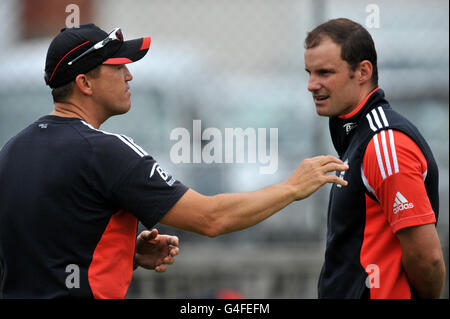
x: 333, y: 86
x: 110, y: 89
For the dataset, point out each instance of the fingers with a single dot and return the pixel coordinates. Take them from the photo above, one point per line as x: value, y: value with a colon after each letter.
x: 325, y: 159
x: 336, y: 180
x: 149, y: 235
x: 170, y: 240
x: 168, y: 260
x: 173, y: 240
x: 153, y: 234
x: 332, y: 167
x: 325, y: 163
x: 313, y: 173
x: 174, y: 251
x: 160, y: 268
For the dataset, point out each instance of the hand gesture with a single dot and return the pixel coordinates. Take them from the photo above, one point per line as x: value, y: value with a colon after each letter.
x: 311, y: 174
x: 154, y: 251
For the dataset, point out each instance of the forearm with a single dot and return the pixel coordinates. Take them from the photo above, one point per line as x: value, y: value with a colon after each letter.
x: 422, y: 259
x: 426, y: 277
x: 225, y: 213
x: 233, y: 212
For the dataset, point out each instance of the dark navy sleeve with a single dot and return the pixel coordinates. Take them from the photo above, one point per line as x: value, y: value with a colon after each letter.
x: 128, y: 178
x: 148, y: 191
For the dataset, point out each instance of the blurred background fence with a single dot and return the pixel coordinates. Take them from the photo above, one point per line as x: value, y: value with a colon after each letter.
x: 231, y: 64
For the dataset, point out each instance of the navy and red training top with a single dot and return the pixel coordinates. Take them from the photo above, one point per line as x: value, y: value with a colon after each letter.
x: 70, y: 200
x: 392, y: 184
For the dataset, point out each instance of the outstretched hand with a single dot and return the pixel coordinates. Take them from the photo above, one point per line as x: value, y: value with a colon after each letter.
x: 312, y: 173
x: 154, y: 251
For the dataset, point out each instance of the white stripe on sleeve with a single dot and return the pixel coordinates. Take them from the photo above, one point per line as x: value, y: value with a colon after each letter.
x: 386, y: 152
x: 137, y: 146
x: 369, y: 118
x: 394, y: 154
x: 366, y: 183
x: 383, y: 116
x: 120, y: 137
x: 377, y: 120
x: 380, y: 161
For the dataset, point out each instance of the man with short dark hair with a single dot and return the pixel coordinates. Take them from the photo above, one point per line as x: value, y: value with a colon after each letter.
x: 62, y: 93
x: 381, y: 237
x: 71, y: 194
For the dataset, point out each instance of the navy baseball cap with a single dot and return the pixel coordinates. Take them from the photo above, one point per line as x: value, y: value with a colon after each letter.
x: 67, y: 54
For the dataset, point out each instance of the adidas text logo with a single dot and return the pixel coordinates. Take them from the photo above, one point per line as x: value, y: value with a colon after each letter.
x: 401, y: 203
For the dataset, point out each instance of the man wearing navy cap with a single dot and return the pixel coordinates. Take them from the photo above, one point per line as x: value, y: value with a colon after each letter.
x: 72, y: 194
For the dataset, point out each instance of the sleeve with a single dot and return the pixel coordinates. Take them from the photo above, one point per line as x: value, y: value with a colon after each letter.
x: 148, y: 191
x: 128, y: 178
x: 394, y: 168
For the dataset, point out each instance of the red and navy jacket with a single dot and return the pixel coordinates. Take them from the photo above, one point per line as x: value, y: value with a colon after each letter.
x: 70, y: 200
x: 392, y: 184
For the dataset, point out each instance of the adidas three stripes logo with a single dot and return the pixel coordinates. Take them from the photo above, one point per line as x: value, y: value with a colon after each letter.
x: 385, y: 149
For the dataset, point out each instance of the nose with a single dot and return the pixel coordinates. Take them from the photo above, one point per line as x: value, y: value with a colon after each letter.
x: 313, y: 84
x: 128, y: 76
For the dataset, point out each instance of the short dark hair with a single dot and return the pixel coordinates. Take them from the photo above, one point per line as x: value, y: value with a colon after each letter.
x: 62, y: 93
x: 356, y: 42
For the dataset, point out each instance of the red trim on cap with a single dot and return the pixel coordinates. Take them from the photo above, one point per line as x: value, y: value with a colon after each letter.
x: 358, y: 108
x: 146, y: 43
x: 117, y: 61
x: 64, y: 58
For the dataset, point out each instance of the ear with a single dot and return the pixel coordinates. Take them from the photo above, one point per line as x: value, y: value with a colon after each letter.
x: 365, y: 71
x: 84, y: 84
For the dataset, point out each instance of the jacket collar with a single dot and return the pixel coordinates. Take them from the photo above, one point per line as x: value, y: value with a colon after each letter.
x: 343, y: 127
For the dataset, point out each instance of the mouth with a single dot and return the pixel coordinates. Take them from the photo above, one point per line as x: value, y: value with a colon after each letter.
x: 319, y: 99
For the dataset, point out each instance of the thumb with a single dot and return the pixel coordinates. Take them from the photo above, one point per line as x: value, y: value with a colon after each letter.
x: 149, y: 235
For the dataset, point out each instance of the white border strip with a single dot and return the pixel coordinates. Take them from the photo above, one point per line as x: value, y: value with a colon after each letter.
x: 120, y: 137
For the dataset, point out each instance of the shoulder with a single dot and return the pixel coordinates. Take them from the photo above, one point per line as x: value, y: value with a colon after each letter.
x: 378, y: 118
x: 107, y: 144
x: 383, y: 117
x: 391, y: 151
x: 382, y: 126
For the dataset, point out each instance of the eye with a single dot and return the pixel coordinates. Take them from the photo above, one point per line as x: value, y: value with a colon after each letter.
x: 324, y: 72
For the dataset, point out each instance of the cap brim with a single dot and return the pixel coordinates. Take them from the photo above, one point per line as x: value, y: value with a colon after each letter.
x: 130, y: 51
